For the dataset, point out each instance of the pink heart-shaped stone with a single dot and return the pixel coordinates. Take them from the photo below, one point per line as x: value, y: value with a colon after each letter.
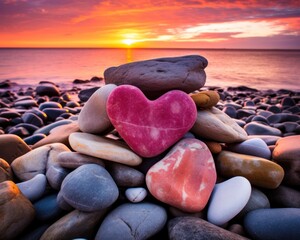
x: 150, y: 127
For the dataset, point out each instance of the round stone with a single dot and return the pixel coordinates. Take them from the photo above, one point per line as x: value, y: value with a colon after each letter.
x: 228, y: 199
x: 89, y: 188
x: 136, y: 194
x: 206, y: 99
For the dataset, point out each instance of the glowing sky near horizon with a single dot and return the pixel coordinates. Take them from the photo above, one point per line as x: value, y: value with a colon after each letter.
x: 150, y: 23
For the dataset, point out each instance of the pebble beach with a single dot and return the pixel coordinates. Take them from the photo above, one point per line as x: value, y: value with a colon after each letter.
x: 149, y: 152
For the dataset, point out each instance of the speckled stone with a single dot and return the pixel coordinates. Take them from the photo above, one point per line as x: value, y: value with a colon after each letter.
x: 132, y: 221
x: 150, y: 127
x: 213, y: 124
x: 259, y: 171
x: 185, y: 177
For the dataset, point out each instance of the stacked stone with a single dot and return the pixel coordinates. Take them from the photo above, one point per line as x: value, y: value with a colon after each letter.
x: 150, y: 156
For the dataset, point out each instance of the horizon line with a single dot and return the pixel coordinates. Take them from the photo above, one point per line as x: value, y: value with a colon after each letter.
x: 159, y: 48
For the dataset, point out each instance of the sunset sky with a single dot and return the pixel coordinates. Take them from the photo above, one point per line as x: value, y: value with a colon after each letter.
x: 150, y: 23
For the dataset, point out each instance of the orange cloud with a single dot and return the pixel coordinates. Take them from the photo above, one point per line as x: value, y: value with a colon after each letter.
x: 148, y: 23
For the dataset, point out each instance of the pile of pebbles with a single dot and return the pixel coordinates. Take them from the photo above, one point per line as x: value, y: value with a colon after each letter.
x: 213, y: 163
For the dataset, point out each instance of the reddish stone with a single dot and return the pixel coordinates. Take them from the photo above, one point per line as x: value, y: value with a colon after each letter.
x: 150, y: 127
x: 185, y: 177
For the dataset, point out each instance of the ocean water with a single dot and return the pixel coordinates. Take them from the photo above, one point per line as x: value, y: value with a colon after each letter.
x: 261, y: 69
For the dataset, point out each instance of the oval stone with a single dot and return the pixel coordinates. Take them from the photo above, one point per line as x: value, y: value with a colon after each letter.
x: 213, y: 124
x: 157, y: 76
x: 76, y: 224
x: 259, y: 171
x: 76, y: 159
x: 196, y: 228
x: 104, y: 148
x: 125, y: 176
x: 132, y: 221
x: 136, y: 194
x: 11, y: 147
x: 287, y: 154
x: 228, y: 199
x: 206, y: 99
x: 273, y: 223
x: 16, y: 211
x: 93, y: 116
x: 255, y: 128
x: 89, y: 188
x: 185, y: 177
x: 255, y: 146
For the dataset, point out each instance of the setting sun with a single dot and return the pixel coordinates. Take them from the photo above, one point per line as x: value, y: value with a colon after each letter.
x: 128, y: 41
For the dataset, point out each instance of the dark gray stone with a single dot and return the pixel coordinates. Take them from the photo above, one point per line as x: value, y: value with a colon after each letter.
x: 273, y: 223
x: 47, y: 89
x: 193, y: 228
x: 89, y: 188
x: 254, y: 146
x: 255, y: 128
x: 47, y: 208
x: 125, y: 176
x: 157, y: 76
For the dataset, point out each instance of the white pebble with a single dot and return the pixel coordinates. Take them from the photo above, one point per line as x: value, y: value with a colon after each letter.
x: 136, y: 194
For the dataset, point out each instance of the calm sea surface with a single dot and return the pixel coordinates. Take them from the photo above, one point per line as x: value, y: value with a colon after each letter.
x: 261, y: 69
